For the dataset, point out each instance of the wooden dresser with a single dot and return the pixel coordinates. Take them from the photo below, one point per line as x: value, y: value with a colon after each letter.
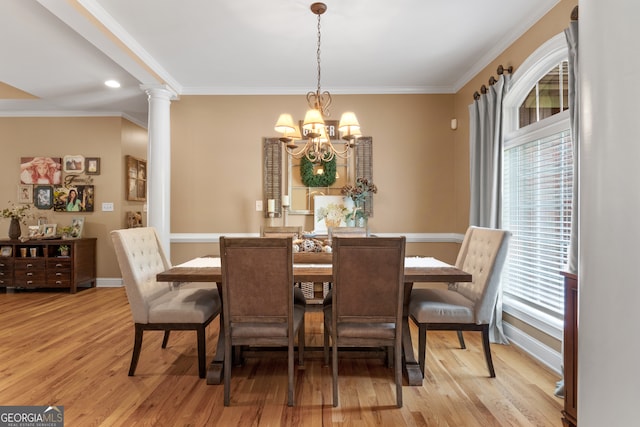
x: 570, y: 412
x: 40, y: 264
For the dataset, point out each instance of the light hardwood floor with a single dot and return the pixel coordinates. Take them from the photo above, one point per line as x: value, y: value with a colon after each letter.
x: 74, y: 351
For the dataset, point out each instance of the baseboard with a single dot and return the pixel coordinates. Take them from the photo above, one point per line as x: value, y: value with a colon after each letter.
x: 108, y: 283
x: 539, y: 351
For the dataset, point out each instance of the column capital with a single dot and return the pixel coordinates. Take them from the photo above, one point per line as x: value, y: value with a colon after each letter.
x: 160, y: 91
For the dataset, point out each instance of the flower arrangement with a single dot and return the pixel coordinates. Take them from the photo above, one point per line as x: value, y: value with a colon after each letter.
x: 358, y: 193
x: 332, y: 214
x: 20, y: 213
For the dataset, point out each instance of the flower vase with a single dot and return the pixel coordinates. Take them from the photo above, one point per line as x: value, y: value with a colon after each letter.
x: 14, y: 229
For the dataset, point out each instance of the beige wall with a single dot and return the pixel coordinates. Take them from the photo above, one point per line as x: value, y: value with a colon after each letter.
x: 106, y: 137
x: 217, y: 161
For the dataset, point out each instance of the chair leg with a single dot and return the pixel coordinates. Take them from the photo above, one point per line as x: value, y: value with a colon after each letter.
x: 227, y: 370
x: 137, y: 346
x: 461, y: 340
x: 487, y: 350
x: 398, y: 372
x: 334, y: 370
x: 422, y: 346
x: 290, y: 372
x: 301, y: 344
x: 202, y: 351
x: 326, y: 346
x: 165, y: 339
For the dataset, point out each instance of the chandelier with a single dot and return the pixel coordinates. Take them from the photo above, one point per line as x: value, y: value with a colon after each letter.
x: 318, y: 146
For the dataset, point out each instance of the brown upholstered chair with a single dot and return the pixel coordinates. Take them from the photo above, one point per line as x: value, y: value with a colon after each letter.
x: 284, y: 231
x: 347, y: 232
x: 160, y: 305
x: 367, y: 300
x: 257, y: 293
x: 464, y: 306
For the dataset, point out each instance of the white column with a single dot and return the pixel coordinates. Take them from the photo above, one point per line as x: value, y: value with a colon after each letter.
x: 159, y: 163
x: 609, y: 254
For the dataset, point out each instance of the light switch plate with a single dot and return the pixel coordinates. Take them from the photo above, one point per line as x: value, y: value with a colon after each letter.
x: 107, y: 207
x: 259, y: 205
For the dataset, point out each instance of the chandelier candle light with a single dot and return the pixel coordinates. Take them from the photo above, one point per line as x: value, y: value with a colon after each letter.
x: 318, y: 146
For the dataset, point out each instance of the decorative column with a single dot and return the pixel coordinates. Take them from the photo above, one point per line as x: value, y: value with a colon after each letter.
x: 159, y: 162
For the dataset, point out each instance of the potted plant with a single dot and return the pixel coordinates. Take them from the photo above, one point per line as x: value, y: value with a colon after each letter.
x: 66, y: 232
x: 17, y: 214
x: 358, y: 193
x: 63, y: 250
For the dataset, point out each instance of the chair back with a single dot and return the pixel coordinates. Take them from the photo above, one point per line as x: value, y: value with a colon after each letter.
x: 347, y: 232
x: 368, y: 277
x: 284, y: 231
x: 257, y: 281
x: 140, y: 257
x: 482, y: 254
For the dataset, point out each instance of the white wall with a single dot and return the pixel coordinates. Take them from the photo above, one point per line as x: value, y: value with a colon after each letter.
x: 609, y: 285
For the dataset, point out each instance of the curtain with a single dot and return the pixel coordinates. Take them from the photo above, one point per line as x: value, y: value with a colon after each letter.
x: 574, y: 101
x: 485, y: 139
x: 571, y: 33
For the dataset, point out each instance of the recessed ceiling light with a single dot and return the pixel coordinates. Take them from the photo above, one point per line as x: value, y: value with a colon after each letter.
x: 112, y: 83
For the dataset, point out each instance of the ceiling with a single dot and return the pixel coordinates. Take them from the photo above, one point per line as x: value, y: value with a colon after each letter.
x: 56, y: 54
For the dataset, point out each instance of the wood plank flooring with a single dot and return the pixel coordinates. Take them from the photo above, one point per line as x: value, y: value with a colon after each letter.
x: 74, y: 351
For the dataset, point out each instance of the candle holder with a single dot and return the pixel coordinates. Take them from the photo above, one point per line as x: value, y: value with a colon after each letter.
x: 285, y: 212
x: 271, y: 216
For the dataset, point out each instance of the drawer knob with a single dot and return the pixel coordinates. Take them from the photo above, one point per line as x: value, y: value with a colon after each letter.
x: 29, y: 274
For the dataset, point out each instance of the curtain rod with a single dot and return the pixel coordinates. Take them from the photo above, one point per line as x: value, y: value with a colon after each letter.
x: 483, y: 89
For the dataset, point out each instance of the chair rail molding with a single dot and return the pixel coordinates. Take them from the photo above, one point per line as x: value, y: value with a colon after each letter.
x: 411, y: 237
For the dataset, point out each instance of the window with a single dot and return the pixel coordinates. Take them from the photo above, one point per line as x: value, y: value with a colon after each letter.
x: 537, y: 189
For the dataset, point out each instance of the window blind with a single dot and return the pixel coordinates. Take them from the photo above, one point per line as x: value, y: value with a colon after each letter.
x: 537, y: 203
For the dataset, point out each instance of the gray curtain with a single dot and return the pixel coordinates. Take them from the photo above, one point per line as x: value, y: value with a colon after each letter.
x: 574, y: 101
x: 571, y: 33
x: 485, y: 139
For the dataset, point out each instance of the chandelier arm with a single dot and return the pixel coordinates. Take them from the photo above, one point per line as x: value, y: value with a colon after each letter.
x: 342, y: 154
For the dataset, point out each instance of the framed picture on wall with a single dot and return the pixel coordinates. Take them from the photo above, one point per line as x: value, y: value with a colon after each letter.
x: 136, y: 179
x: 73, y: 199
x: 73, y: 164
x: 92, y: 165
x: 25, y: 193
x: 43, y: 196
x: 41, y: 170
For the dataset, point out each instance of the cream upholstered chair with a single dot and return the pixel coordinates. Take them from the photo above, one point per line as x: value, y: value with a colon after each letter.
x: 367, y: 300
x: 258, y: 309
x: 464, y: 306
x: 160, y: 305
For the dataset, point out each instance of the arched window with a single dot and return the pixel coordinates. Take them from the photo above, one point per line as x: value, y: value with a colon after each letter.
x: 537, y: 187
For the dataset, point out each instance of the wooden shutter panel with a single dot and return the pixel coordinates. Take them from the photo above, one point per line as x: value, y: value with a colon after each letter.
x: 364, y: 167
x: 272, y: 178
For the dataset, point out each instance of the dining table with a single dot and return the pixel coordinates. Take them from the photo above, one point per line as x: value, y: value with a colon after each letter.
x: 317, y: 267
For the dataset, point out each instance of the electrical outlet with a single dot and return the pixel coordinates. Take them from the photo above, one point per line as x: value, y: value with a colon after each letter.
x: 259, y: 205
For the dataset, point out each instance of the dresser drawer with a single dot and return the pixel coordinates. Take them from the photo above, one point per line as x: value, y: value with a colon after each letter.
x: 59, y: 278
x: 29, y: 278
x: 58, y: 264
x: 29, y: 265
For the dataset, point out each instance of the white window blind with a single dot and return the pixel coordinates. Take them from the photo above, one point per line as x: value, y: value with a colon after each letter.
x: 537, y: 203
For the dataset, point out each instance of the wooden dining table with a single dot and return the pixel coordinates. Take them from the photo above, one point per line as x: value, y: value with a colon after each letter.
x: 316, y: 267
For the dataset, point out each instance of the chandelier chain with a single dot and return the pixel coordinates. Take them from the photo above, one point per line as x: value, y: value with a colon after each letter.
x: 318, y: 54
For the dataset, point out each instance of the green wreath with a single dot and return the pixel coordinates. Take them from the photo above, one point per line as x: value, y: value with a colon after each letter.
x: 310, y: 179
